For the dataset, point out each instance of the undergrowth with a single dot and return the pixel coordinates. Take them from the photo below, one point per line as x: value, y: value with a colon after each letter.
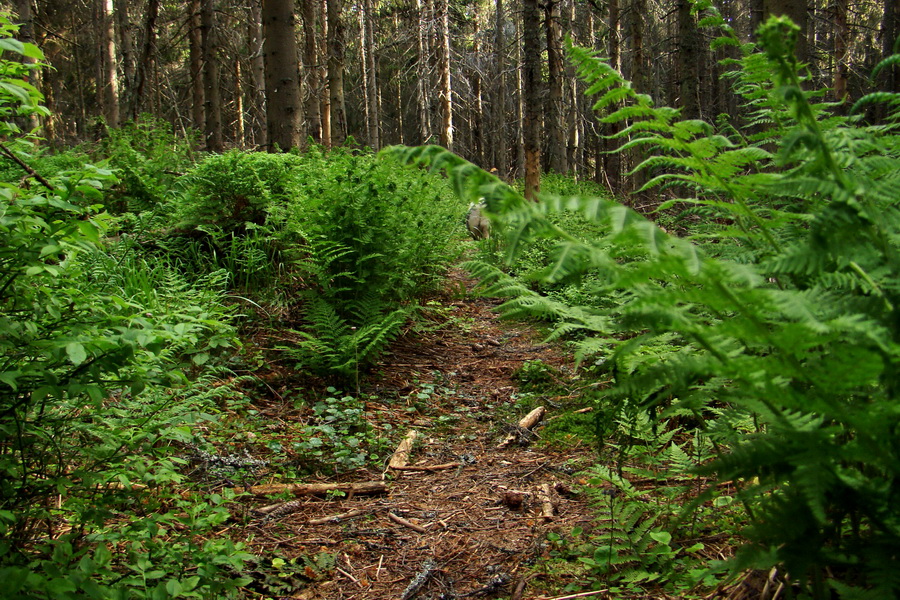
x: 775, y: 326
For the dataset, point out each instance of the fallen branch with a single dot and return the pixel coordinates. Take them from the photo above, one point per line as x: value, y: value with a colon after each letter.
x: 311, y: 489
x: 419, y: 580
x: 338, y: 518
x: 401, y: 521
x: 440, y: 467
x: 546, y: 499
x: 526, y: 423
x: 401, y: 454
x: 581, y: 595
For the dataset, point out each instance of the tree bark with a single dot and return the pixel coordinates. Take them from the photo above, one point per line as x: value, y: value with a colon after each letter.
x: 531, y: 87
x: 796, y: 10
x: 423, y: 8
x: 145, y: 64
x: 841, y: 37
x: 688, y: 68
x: 311, y: 70
x: 445, y: 91
x: 325, y: 96
x: 370, y: 83
x: 336, y: 54
x: 110, y: 65
x: 211, y: 93
x: 283, y: 102
x: 257, y: 92
x: 554, y: 131
x: 195, y: 48
x: 499, y: 146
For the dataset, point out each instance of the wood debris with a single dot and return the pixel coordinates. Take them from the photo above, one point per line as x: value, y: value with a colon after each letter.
x: 526, y: 423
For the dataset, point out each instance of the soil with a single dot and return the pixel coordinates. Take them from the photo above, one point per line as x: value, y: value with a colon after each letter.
x: 475, y: 527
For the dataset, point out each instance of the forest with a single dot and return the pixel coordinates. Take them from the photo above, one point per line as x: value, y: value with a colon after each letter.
x: 446, y: 299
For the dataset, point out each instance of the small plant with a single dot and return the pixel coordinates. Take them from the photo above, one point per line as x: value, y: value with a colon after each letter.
x: 338, y: 437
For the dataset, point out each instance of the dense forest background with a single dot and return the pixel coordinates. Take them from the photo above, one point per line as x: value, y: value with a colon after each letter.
x: 471, y: 75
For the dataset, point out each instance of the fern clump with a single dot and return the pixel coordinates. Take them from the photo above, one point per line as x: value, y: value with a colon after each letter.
x: 370, y: 237
x: 782, y: 315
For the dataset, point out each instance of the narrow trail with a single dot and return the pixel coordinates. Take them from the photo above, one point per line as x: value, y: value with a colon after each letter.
x: 476, y: 528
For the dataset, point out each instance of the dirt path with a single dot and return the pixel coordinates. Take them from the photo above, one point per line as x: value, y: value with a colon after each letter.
x: 475, y: 529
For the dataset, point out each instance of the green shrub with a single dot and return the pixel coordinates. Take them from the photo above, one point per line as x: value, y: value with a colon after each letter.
x: 372, y: 236
x: 148, y: 159
x: 94, y: 399
x: 226, y: 192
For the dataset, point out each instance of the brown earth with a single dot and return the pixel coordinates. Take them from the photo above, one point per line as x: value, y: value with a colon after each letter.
x: 476, y: 528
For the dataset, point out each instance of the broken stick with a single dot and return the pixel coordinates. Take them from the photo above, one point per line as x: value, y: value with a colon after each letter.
x: 400, y: 520
x: 401, y: 454
x: 311, y: 489
x: 527, y: 422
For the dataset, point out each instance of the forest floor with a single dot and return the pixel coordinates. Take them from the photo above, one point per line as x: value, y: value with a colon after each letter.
x: 467, y: 518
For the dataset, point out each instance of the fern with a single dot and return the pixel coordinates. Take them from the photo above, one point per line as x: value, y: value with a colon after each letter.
x: 782, y: 310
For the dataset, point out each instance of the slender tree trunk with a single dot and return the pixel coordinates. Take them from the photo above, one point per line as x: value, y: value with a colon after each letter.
x: 126, y: 55
x: 195, y: 49
x: 240, y: 131
x: 688, y: 74
x: 554, y: 130
x: 531, y: 52
x: 890, y: 27
x: 500, y: 143
x: 110, y: 64
x: 612, y: 161
x: 841, y: 37
x: 283, y: 102
x: 478, y: 121
x: 145, y: 64
x: 325, y: 94
x: 311, y: 70
x: 257, y: 75
x: 370, y: 82
x: 423, y: 8
x: 336, y: 54
x: 445, y: 91
x: 520, y: 102
x: 211, y: 92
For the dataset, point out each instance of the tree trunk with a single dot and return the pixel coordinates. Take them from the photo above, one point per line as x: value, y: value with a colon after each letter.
x: 195, y: 48
x: 212, y: 95
x: 841, y: 37
x: 110, y: 65
x: 554, y: 131
x: 796, y: 11
x: 499, y: 128
x: 688, y: 75
x: 325, y: 96
x: 423, y: 9
x: 283, y: 102
x: 531, y: 52
x: 370, y: 83
x: 336, y: 72
x: 520, y: 102
x: 477, y: 122
x: 311, y: 70
x: 612, y: 161
x: 145, y: 64
x: 445, y: 91
x: 240, y: 126
x: 257, y: 93
x: 126, y: 54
